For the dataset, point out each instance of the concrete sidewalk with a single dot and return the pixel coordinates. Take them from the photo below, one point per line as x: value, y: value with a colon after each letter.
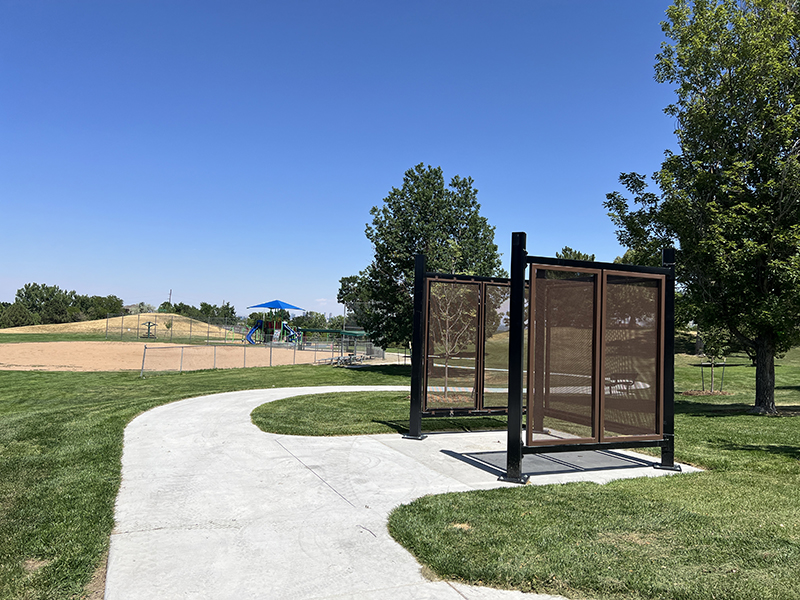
x: 212, y: 507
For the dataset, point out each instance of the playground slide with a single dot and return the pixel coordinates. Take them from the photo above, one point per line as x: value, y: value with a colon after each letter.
x: 259, y: 324
x: 294, y: 335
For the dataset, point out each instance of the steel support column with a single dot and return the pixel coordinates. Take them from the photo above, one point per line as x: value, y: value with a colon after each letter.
x: 417, y: 351
x: 516, y: 358
x: 668, y: 449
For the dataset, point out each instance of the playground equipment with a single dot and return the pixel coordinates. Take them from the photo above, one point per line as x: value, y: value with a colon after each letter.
x: 290, y: 334
x: 258, y: 327
x: 275, y: 331
x: 596, y: 372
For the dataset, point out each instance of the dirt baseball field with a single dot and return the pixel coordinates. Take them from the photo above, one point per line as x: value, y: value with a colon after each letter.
x: 128, y: 356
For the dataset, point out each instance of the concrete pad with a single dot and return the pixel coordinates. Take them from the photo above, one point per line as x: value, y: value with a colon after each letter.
x: 212, y: 507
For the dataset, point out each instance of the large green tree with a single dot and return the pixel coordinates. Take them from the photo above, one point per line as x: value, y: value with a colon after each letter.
x: 730, y: 197
x: 16, y: 315
x: 48, y: 303
x: 424, y: 216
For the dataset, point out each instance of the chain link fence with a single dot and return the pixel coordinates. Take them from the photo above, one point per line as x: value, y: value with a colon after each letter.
x: 164, y: 327
x: 207, y: 352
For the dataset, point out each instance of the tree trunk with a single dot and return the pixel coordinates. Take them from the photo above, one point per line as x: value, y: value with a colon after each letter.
x: 446, y: 365
x: 765, y: 376
x: 712, y: 375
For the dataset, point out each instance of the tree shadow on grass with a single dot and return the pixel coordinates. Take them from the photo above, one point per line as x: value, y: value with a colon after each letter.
x: 704, y: 409
x: 792, y: 452
x: 393, y: 370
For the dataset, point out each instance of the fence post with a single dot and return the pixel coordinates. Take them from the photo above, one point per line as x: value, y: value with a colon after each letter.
x: 208, y: 331
x: 121, y: 325
x: 106, y: 325
x: 143, y: 356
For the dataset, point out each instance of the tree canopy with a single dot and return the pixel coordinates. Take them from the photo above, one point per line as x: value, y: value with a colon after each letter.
x: 730, y: 197
x: 568, y: 253
x: 205, y: 312
x: 424, y: 216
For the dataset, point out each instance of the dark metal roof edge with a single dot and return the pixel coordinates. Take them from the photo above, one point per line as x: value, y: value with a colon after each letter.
x: 585, y: 264
x: 476, y: 278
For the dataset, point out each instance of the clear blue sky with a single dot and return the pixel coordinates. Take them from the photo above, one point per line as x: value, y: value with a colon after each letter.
x: 231, y: 151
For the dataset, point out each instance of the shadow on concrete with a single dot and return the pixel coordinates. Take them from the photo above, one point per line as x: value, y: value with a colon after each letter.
x: 552, y: 464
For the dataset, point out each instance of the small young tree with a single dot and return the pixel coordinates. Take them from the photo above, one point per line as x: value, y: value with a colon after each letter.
x: 453, y: 311
x: 716, y: 346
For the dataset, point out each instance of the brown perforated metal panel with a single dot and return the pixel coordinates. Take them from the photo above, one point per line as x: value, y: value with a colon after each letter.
x: 563, y: 405
x: 632, y: 355
x: 451, y: 348
x: 495, y: 357
x: 596, y: 356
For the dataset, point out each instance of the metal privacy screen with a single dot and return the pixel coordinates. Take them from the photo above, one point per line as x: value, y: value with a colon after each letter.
x: 466, y: 345
x: 578, y: 354
x: 596, y: 356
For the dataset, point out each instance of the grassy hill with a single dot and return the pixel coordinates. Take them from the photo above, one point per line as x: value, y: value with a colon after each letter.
x: 168, y: 327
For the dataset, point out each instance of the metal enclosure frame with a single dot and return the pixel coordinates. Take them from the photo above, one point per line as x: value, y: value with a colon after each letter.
x: 420, y: 347
x: 662, y: 436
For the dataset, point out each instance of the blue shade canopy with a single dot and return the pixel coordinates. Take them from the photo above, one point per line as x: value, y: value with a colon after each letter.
x: 277, y: 304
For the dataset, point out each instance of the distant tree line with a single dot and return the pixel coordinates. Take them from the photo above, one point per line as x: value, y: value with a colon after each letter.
x: 41, y: 304
x: 308, y: 320
x: 204, y: 313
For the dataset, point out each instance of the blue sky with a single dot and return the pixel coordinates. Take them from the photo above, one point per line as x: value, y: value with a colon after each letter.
x: 231, y: 151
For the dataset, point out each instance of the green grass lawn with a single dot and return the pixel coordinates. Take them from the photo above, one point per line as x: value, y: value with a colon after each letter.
x: 60, y: 449
x: 12, y: 338
x: 359, y: 413
x: 732, y: 532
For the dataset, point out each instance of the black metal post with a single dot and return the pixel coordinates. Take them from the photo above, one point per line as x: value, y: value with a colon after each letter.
x: 668, y: 449
x: 541, y: 354
x: 417, y: 351
x: 516, y: 357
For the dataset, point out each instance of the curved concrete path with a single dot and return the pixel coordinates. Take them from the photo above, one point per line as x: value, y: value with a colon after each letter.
x: 212, y: 507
